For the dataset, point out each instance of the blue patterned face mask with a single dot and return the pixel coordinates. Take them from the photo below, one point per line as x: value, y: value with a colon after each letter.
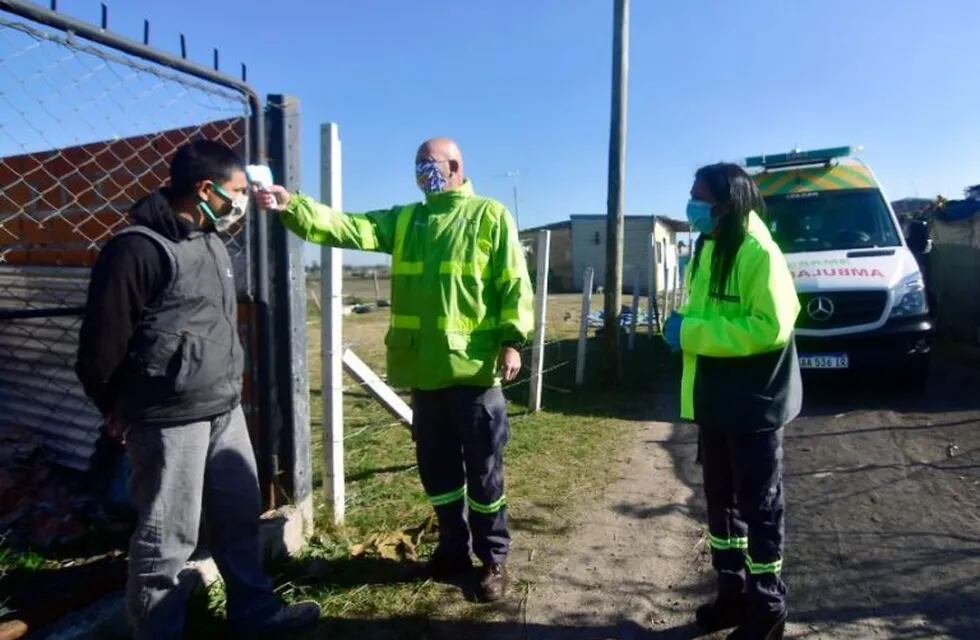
x: 428, y: 177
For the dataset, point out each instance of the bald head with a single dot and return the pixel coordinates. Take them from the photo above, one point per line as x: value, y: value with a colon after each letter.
x: 445, y: 153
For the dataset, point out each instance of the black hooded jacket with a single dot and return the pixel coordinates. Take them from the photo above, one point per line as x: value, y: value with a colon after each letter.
x: 130, y: 272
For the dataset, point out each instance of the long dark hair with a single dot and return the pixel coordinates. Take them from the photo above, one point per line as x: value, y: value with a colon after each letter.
x: 736, y: 195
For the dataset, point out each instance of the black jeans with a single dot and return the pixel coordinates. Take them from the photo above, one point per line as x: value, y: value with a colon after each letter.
x: 743, y: 486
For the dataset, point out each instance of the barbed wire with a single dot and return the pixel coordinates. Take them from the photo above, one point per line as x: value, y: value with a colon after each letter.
x: 85, y: 131
x: 543, y: 372
x: 371, y: 427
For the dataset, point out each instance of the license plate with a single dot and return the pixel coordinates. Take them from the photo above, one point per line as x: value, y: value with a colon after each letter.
x: 825, y: 361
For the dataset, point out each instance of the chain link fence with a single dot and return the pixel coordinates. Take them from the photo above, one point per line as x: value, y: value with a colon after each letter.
x: 85, y: 131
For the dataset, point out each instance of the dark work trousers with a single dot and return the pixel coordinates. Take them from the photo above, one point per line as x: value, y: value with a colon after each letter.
x: 460, y: 434
x: 743, y: 485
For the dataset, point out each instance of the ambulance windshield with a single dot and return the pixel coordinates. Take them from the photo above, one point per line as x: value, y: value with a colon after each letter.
x: 831, y: 221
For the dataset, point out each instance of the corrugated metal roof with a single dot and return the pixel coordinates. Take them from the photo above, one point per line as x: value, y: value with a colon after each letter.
x: 38, y: 388
x: 564, y: 224
x: 680, y: 226
x: 603, y: 216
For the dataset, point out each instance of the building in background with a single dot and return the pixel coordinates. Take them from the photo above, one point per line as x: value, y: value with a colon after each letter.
x: 560, y: 276
x: 650, y: 247
x: 954, y: 266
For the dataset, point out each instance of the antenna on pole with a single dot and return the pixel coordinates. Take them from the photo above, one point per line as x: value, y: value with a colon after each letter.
x: 513, y: 174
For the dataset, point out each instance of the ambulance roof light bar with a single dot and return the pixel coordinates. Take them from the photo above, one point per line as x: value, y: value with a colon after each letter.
x: 798, y: 157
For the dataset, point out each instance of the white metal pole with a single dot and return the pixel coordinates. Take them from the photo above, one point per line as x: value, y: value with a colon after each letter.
x: 583, y: 331
x: 540, y: 315
x: 331, y: 349
x: 651, y: 281
x: 677, y: 278
x: 636, y: 309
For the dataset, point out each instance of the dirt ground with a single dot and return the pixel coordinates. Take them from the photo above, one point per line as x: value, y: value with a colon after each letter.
x: 883, y: 528
x: 883, y: 525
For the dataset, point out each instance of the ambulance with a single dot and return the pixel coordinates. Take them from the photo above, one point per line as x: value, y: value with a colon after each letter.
x: 861, y: 289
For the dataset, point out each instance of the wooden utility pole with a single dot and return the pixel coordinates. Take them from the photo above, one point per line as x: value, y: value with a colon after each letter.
x: 612, y: 370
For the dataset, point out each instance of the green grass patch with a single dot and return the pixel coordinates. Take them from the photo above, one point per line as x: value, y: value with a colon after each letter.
x: 13, y: 560
x: 557, y: 462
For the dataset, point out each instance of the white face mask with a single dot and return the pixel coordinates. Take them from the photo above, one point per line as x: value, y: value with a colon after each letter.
x: 239, y: 206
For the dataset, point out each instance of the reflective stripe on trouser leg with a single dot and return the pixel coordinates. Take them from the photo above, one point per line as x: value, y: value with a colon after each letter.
x: 727, y: 534
x: 762, y: 568
x: 484, y: 438
x: 759, y: 480
x: 440, y: 458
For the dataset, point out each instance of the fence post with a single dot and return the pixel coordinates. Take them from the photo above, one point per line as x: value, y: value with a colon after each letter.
x: 540, y: 315
x: 651, y: 282
x: 678, y: 296
x: 292, y: 365
x: 583, y: 331
x: 636, y: 309
x: 331, y: 281
x: 268, y: 459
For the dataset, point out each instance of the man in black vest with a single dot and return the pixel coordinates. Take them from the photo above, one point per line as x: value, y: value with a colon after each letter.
x: 159, y: 355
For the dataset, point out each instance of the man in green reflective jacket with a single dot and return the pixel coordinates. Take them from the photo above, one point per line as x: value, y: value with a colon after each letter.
x: 461, y: 308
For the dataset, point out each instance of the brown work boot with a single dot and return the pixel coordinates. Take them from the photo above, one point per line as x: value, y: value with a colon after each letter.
x: 493, y: 582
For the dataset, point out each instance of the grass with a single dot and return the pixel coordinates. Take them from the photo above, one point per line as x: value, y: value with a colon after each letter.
x: 556, y: 461
x: 12, y: 560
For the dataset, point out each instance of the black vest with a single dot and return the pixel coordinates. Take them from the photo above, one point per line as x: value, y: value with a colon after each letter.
x: 185, y: 361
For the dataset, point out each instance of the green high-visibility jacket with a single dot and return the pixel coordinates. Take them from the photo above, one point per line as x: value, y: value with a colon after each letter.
x: 741, y: 370
x: 459, y: 282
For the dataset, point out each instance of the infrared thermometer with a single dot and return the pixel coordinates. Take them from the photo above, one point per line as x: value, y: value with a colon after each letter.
x: 259, y: 175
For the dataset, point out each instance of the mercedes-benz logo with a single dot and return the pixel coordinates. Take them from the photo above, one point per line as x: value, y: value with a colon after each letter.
x: 820, y: 309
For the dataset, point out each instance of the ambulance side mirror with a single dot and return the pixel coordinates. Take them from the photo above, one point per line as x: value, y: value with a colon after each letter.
x: 917, y: 237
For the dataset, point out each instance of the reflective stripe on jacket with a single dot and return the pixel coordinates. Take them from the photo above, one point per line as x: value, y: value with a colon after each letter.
x: 741, y: 369
x: 459, y: 282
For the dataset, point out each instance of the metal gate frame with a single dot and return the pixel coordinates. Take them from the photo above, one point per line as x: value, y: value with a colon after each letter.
x: 256, y: 153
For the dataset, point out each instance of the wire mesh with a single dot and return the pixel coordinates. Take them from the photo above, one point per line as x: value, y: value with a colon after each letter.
x: 85, y: 131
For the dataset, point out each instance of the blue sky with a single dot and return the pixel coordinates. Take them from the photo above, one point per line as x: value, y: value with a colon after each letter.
x: 524, y: 85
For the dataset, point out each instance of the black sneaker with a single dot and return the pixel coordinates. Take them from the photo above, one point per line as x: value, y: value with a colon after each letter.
x: 768, y: 628
x: 725, y: 612
x: 290, y: 618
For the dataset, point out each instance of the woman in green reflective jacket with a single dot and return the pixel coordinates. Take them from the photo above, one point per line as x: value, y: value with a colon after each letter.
x: 741, y: 385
